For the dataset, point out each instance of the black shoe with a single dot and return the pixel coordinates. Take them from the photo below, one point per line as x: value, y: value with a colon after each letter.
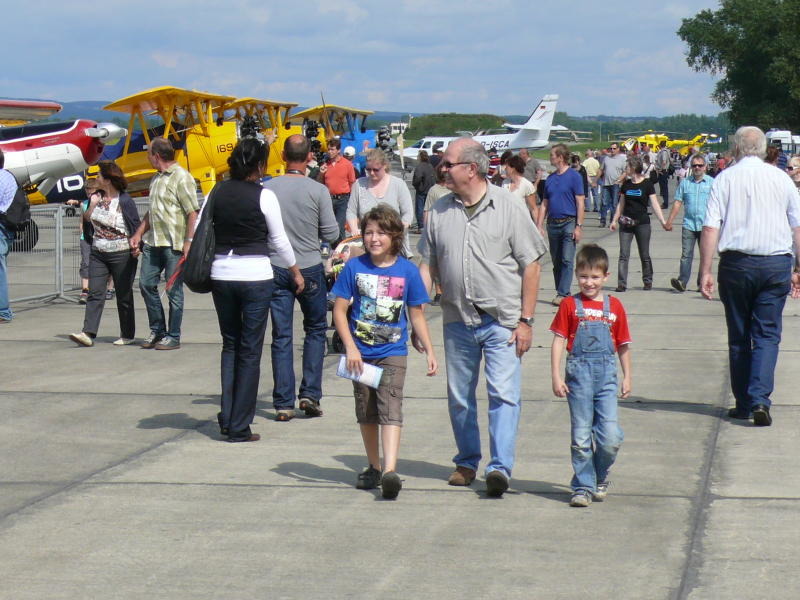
x: 677, y: 284
x: 369, y: 479
x: 391, y: 485
x: 620, y: 288
x: 223, y: 430
x: 761, y: 416
x: 647, y: 287
x: 496, y: 484
x: 734, y: 413
x: 437, y: 299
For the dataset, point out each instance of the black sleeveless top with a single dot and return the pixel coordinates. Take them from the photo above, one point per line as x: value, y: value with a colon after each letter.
x: 239, y: 224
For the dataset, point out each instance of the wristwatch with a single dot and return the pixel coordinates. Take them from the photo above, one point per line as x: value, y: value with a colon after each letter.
x: 527, y: 320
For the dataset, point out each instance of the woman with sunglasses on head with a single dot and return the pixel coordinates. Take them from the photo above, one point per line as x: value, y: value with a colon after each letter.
x: 114, y: 218
x: 634, y: 222
x: 380, y: 187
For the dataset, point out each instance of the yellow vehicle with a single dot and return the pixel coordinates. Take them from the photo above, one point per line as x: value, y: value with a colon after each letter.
x: 203, y: 127
x: 682, y: 146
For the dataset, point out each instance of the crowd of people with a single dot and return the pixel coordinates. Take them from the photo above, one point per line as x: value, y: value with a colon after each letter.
x: 483, y: 220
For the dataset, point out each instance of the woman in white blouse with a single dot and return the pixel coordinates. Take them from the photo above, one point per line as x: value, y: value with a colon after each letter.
x: 520, y: 187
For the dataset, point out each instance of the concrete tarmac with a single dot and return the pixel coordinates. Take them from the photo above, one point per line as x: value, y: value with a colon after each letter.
x: 115, y: 483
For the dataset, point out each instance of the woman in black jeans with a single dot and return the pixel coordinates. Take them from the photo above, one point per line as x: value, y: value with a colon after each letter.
x: 634, y: 221
x: 246, y: 217
x: 114, y: 217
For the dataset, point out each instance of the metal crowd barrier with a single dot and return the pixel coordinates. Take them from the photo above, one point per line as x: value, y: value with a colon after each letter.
x: 44, y: 262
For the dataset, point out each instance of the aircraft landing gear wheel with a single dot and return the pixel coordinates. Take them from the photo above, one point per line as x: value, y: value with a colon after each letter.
x: 26, y: 239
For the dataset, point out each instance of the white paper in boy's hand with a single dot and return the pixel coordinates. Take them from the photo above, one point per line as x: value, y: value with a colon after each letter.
x: 370, y: 374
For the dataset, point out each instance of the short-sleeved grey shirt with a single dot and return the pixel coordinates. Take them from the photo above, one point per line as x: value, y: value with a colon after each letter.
x: 307, y: 213
x: 480, y: 259
x: 613, y: 166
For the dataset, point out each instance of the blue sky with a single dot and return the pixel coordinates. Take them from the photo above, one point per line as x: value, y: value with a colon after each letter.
x: 614, y: 57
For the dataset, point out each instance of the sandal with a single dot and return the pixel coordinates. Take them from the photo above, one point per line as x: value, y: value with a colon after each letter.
x: 310, y: 407
x: 285, y: 415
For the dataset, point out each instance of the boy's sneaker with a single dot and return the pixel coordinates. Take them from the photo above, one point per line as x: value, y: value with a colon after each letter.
x: 602, y: 491
x: 168, y: 343
x: 580, y: 498
x: 83, y: 297
x: 391, y: 485
x: 151, y: 340
x: 369, y: 479
x: 110, y: 294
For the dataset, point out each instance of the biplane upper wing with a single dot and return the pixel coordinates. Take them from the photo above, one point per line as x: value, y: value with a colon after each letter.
x: 316, y: 112
x: 156, y: 100
x: 19, y: 112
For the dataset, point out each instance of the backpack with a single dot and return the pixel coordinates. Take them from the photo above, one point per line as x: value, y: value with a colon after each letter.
x: 18, y: 214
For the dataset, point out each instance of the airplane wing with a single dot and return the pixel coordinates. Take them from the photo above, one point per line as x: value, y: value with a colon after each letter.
x: 19, y: 112
x: 154, y: 100
x: 315, y: 112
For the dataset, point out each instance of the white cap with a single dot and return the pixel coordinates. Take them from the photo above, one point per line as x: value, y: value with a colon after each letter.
x: 349, y: 151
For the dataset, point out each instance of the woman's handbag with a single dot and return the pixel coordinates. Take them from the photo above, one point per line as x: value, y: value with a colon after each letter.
x: 197, y: 268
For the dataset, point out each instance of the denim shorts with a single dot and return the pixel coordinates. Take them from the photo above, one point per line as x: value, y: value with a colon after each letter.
x: 383, y: 406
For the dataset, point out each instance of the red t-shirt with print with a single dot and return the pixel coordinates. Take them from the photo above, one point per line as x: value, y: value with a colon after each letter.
x: 565, y: 323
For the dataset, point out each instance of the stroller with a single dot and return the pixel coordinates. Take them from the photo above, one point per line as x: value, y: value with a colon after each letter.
x: 346, y: 249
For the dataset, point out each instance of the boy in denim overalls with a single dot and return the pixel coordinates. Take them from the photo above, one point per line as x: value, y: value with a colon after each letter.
x: 593, y: 326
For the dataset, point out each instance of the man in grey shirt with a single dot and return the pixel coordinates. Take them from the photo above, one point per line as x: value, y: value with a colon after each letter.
x: 484, y: 248
x: 612, y: 171
x: 307, y: 212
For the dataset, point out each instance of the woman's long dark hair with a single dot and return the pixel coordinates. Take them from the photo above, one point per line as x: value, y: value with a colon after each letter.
x: 248, y: 155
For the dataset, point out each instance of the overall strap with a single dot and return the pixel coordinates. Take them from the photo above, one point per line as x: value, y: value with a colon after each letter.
x: 607, y: 308
x: 579, y: 307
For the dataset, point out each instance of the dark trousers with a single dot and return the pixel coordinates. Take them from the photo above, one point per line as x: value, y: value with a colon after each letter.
x: 340, y: 212
x: 753, y: 290
x: 419, y: 208
x: 663, y: 187
x: 642, y: 234
x: 122, y: 268
x: 242, y: 310
x: 314, y: 305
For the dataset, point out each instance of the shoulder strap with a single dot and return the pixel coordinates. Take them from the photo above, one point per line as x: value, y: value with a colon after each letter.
x: 607, y: 308
x: 579, y: 307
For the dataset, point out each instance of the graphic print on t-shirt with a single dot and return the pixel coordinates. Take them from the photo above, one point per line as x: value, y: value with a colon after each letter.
x: 380, y: 308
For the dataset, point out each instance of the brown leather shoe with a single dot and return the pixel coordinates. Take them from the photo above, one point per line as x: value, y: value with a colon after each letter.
x: 461, y: 476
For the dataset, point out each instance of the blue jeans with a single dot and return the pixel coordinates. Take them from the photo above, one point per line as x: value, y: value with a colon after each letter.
x: 562, y: 253
x: 594, y: 190
x: 464, y: 346
x: 314, y: 304
x: 155, y: 260
x: 6, y: 239
x: 608, y: 203
x: 688, y: 239
x: 596, y: 435
x: 753, y: 290
x: 242, y: 311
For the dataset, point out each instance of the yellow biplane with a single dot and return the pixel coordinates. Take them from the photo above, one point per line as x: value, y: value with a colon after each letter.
x: 268, y: 117
x: 204, y: 128
x: 682, y: 146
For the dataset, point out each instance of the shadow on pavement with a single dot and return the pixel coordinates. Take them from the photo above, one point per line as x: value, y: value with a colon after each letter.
x: 179, y: 421
x: 647, y: 405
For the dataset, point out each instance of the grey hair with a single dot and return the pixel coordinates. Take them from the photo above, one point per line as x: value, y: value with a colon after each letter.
x: 699, y: 155
x: 750, y: 141
x: 473, y: 152
x: 635, y: 163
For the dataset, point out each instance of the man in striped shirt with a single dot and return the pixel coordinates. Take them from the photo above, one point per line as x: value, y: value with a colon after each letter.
x: 753, y: 219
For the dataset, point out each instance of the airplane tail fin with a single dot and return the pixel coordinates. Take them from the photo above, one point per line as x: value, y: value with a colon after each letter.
x: 541, y: 118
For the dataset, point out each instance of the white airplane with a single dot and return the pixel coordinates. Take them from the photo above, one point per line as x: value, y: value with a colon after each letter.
x: 534, y: 133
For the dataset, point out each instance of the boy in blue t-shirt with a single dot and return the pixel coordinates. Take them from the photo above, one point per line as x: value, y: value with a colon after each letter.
x: 381, y: 284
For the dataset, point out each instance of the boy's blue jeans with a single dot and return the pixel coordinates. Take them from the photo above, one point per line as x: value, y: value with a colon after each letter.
x: 596, y: 435
x: 464, y: 346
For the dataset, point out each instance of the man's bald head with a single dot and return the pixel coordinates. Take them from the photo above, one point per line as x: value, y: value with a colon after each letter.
x: 295, y: 148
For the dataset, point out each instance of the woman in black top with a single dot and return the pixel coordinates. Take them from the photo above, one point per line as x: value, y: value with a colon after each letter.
x: 631, y: 214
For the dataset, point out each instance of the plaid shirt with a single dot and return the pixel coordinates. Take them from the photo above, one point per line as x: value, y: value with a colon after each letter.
x: 173, y: 195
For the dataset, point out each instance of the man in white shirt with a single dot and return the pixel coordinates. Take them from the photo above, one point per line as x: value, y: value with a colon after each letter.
x: 755, y: 267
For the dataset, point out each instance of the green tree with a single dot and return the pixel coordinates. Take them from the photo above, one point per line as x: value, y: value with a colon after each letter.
x: 753, y: 46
